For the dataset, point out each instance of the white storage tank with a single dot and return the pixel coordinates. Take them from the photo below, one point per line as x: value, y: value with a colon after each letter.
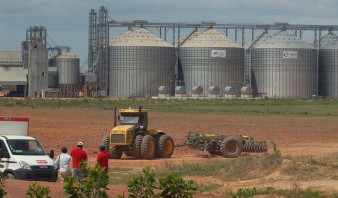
x: 68, y: 69
x: 139, y: 63
x: 211, y: 59
x: 328, y: 70
x: 284, y: 66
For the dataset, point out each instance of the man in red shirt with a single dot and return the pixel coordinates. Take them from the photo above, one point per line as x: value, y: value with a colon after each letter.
x: 102, y: 158
x: 78, y: 155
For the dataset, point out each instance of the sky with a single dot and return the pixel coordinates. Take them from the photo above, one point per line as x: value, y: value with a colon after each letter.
x: 66, y: 21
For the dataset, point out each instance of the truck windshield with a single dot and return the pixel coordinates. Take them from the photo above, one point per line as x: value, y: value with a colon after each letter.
x: 25, y: 147
x: 129, y: 120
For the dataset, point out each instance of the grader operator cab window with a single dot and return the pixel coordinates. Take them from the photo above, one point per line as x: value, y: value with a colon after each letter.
x: 129, y: 119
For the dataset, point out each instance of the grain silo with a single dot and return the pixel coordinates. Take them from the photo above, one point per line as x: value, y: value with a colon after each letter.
x: 68, y: 68
x: 211, y: 59
x: 284, y: 66
x: 139, y: 63
x: 328, y: 70
x: 247, y: 55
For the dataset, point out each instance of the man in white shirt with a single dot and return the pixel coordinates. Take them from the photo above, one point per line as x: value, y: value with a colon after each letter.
x: 62, y: 162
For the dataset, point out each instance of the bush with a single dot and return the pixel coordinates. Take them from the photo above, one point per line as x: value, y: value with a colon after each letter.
x: 35, y: 190
x: 170, y: 186
x: 173, y: 186
x: 94, y: 183
x: 143, y: 185
x: 2, y: 185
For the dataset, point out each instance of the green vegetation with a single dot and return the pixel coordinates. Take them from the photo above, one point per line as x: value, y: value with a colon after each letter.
x: 312, y: 168
x: 227, y: 169
x: 323, y: 107
x: 94, y: 183
x: 2, y: 185
x: 296, y: 192
x: 170, y: 186
x: 35, y: 190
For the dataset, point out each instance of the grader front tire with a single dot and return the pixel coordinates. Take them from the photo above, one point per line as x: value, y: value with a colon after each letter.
x: 115, y: 153
x: 137, y: 147
x: 231, y: 147
x: 165, y: 146
x: 105, y: 142
x: 148, y: 147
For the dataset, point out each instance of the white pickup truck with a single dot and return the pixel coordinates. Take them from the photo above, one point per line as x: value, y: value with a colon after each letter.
x: 21, y: 156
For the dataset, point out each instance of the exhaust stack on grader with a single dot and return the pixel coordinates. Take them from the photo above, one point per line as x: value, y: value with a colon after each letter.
x: 133, y: 137
x: 226, y: 146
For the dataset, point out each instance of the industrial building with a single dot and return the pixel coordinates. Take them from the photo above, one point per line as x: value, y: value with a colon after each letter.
x: 203, y: 60
x: 37, y: 71
x: 209, y: 64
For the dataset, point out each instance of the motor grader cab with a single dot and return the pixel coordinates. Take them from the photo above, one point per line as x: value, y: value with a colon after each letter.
x: 134, y: 138
x: 136, y: 117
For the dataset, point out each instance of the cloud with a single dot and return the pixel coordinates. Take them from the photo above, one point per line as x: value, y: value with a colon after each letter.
x: 67, y: 20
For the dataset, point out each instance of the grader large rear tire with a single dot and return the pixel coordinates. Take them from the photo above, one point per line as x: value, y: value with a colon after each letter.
x: 148, y: 147
x: 231, y: 147
x: 157, y: 142
x: 137, y: 147
x: 115, y: 152
x: 105, y: 142
x: 165, y: 146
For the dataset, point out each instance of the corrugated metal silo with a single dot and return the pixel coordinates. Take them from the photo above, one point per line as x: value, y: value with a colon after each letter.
x: 328, y: 70
x: 140, y: 62
x: 211, y: 59
x: 247, y: 55
x: 68, y: 67
x: 284, y: 67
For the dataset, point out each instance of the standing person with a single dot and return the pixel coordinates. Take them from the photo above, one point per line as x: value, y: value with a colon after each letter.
x: 78, y: 155
x: 62, y: 163
x: 103, y: 157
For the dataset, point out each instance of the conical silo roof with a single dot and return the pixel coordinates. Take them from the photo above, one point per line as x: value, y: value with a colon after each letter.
x: 141, y: 37
x: 210, y: 38
x: 67, y: 55
x: 284, y: 39
x: 332, y: 45
x: 189, y: 37
x: 120, y: 36
x: 328, y: 38
x: 260, y: 39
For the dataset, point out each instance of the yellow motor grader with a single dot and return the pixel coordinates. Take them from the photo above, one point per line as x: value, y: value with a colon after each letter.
x: 133, y: 137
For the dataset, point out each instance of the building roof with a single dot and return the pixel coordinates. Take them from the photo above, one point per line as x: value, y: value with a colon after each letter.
x: 10, y: 58
x: 13, y: 76
x: 11, y: 69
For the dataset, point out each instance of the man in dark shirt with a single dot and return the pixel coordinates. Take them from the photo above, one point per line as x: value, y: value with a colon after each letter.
x: 78, y: 155
x: 103, y: 157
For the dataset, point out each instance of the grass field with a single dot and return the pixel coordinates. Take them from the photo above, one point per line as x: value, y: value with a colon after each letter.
x: 326, y: 107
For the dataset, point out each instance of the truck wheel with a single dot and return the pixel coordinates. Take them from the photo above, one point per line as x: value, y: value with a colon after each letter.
x: 115, y: 152
x: 148, y: 147
x: 137, y: 147
x: 105, y: 142
x: 10, y: 176
x: 231, y: 147
x: 165, y: 146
